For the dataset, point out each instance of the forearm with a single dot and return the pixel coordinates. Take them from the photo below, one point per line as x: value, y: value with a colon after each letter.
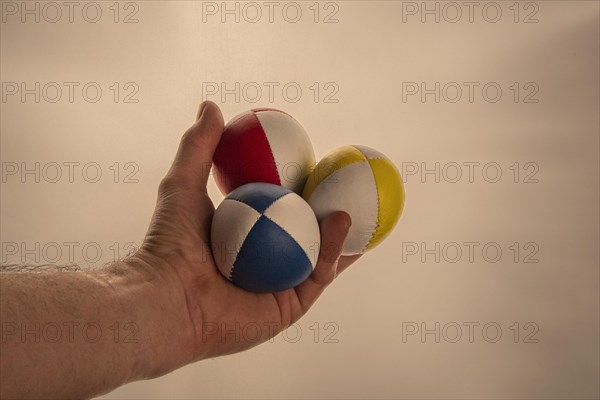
x: 80, y: 334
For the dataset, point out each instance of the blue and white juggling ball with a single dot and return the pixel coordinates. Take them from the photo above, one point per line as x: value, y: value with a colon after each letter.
x: 265, y: 238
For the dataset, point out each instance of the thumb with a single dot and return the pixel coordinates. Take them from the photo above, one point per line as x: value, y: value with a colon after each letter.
x: 193, y: 161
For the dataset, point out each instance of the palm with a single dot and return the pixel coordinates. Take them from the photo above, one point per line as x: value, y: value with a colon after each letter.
x: 225, y: 318
x: 179, y: 236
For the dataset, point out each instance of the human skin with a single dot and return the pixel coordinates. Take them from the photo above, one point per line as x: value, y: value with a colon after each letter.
x: 162, y: 308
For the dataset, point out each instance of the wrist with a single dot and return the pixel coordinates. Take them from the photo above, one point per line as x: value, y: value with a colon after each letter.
x: 154, y: 307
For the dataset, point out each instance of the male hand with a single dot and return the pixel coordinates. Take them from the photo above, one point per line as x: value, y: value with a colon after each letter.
x: 178, y: 246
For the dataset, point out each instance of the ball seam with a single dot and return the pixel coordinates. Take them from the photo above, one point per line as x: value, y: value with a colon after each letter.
x: 294, y: 239
x: 285, y: 230
x: 230, y: 277
x: 270, y: 148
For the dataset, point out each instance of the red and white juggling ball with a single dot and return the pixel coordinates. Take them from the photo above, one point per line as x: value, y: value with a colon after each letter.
x: 263, y: 145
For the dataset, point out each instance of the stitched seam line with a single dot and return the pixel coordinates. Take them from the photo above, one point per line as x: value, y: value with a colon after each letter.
x: 293, y: 238
x: 270, y: 148
x: 238, y: 251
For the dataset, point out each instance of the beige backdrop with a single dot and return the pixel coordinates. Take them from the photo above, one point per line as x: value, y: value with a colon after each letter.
x: 350, y: 72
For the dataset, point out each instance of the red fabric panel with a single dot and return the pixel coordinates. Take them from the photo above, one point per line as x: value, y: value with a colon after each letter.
x: 244, y: 155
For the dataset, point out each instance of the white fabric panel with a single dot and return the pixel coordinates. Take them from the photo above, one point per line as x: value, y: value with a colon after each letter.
x: 369, y: 152
x: 291, y: 147
x: 295, y: 216
x: 351, y: 189
x: 231, y: 223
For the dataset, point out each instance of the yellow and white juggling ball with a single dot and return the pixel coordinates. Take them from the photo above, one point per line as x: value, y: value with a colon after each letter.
x: 362, y: 182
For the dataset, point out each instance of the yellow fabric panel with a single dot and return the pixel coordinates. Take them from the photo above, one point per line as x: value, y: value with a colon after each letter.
x: 333, y: 161
x: 390, y: 193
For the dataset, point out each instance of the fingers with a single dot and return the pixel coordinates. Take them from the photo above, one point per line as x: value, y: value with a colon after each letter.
x: 193, y: 161
x: 346, y: 261
x: 334, y: 230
